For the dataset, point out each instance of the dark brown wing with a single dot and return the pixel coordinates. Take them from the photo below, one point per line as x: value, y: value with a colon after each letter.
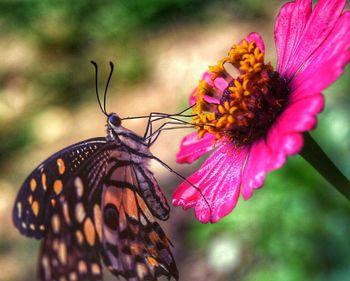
x: 37, y: 196
x: 72, y: 242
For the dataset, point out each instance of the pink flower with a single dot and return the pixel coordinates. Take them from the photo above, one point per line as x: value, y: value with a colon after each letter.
x: 257, y: 119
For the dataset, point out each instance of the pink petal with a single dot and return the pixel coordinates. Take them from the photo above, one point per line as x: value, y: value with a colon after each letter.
x: 328, y: 61
x: 209, y: 99
x: 282, y: 145
x: 185, y: 194
x: 193, y: 97
x: 258, y: 40
x: 290, y: 24
x: 207, y: 77
x: 255, y: 168
x: 285, y: 137
x: 219, y: 180
x: 220, y: 83
x: 191, y: 148
x: 304, y: 32
x: 283, y: 140
x: 300, y: 115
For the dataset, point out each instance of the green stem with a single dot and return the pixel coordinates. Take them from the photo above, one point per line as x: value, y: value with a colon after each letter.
x: 314, y: 154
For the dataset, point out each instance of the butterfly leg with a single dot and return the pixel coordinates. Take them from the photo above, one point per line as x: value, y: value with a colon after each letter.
x: 161, y: 116
x: 154, y: 135
x: 166, y: 166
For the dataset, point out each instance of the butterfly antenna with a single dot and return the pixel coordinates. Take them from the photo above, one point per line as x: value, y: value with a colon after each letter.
x: 96, y: 86
x: 106, y: 88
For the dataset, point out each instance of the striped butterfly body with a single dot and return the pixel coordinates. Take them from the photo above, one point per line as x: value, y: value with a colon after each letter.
x: 96, y: 200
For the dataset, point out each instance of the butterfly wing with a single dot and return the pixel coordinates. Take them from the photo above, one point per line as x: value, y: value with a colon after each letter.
x: 61, y: 202
x: 146, y: 185
x: 71, y: 246
x: 39, y: 193
x: 134, y: 245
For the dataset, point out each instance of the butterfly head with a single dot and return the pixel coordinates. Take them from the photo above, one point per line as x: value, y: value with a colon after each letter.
x: 113, y: 121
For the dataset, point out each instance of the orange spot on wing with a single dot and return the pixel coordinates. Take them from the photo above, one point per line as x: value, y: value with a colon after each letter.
x: 152, y: 261
x: 62, y: 253
x: 144, y: 207
x: 32, y: 184
x: 129, y: 203
x: 35, y: 208
x: 136, y: 248
x: 153, y: 251
x: 89, y: 231
x: 153, y: 236
x: 73, y: 276
x: 57, y: 186
x: 55, y: 223
x: 82, y: 267
x: 43, y: 181
x: 79, y: 186
x: 79, y: 236
x: 61, y: 166
x: 80, y: 212
x: 66, y: 212
x: 95, y: 269
x: 98, y: 220
x: 53, y: 202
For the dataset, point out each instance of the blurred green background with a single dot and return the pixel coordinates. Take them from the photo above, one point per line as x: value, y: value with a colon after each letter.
x: 296, y: 228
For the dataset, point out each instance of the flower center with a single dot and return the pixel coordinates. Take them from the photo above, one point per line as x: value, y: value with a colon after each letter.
x: 246, y: 106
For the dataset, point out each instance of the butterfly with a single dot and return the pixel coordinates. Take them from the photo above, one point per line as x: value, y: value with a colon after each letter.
x: 97, y: 200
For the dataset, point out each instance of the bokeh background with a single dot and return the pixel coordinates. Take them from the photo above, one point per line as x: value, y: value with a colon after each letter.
x: 296, y: 228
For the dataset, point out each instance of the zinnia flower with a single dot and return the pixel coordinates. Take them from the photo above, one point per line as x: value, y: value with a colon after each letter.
x: 256, y: 120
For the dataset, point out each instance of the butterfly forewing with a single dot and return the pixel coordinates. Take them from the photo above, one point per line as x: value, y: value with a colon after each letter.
x: 39, y: 193
x: 134, y: 245
x: 71, y: 245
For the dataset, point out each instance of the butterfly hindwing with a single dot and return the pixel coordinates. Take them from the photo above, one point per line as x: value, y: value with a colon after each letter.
x: 38, y: 195
x: 134, y: 245
x: 146, y: 184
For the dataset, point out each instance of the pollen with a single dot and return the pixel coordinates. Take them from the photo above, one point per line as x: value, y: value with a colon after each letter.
x: 250, y: 103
